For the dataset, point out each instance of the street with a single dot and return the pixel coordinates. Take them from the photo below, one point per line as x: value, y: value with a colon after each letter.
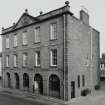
x: 6, y: 99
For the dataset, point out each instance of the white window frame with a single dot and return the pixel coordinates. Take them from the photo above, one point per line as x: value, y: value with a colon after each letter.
x: 51, y: 58
x: 53, y: 31
x: 24, y: 37
x: 102, y: 65
x: 15, y: 60
x: 37, y: 34
x: 7, y: 42
x: 7, y: 60
x: 15, y: 40
x: 25, y: 59
x: 36, y: 58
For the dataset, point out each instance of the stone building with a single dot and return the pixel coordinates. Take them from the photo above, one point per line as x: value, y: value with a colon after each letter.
x: 0, y: 65
x: 102, y: 67
x: 54, y: 54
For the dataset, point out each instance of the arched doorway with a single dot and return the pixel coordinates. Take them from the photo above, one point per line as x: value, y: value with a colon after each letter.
x: 38, y: 80
x: 54, y: 86
x: 16, y: 81
x: 25, y: 81
x: 8, y: 80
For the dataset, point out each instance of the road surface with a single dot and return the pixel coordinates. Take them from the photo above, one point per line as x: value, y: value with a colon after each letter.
x: 6, y: 99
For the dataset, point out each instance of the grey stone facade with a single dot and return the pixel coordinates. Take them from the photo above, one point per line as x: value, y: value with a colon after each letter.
x: 102, y: 67
x: 77, y: 47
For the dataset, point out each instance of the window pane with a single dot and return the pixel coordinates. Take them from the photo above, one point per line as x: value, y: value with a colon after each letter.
x: 54, y: 57
x: 53, y: 31
x: 15, y: 40
x: 7, y: 42
x: 37, y: 58
x: 83, y: 80
x: 7, y: 61
x: 15, y: 60
x: 100, y: 65
x: 24, y: 59
x: 24, y: 38
x: 37, y: 34
x: 78, y: 79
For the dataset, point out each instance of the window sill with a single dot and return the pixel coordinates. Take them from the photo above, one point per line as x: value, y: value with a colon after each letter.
x: 7, y: 48
x: 24, y: 44
x: 8, y: 67
x: 37, y: 66
x: 37, y: 42
x: 24, y: 66
x: 15, y: 67
x: 53, y: 39
x: 15, y: 46
x: 53, y: 66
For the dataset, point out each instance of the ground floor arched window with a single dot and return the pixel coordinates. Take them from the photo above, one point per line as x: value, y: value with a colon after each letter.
x: 38, y: 83
x: 8, y: 80
x: 16, y: 81
x: 54, y: 86
x: 25, y: 80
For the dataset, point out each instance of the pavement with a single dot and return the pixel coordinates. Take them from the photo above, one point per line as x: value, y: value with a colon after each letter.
x: 47, y: 100
x: 95, y: 98
x: 31, y: 97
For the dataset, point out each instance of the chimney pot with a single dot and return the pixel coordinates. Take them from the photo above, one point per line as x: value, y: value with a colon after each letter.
x: 2, y: 28
x: 13, y: 23
x: 41, y: 12
x: 26, y: 10
x: 66, y: 3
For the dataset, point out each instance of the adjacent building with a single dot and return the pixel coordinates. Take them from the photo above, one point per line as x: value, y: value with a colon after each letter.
x: 54, y: 54
x: 0, y: 65
x: 102, y: 67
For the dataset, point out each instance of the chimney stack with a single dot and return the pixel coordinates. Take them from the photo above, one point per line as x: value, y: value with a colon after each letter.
x: 84, y: 16
x: 103, y: 55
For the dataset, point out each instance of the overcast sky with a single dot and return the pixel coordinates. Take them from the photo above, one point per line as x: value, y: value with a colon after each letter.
x: 11, y: 10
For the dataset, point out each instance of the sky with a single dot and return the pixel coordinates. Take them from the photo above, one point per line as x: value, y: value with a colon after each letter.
x: 11, y: 11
